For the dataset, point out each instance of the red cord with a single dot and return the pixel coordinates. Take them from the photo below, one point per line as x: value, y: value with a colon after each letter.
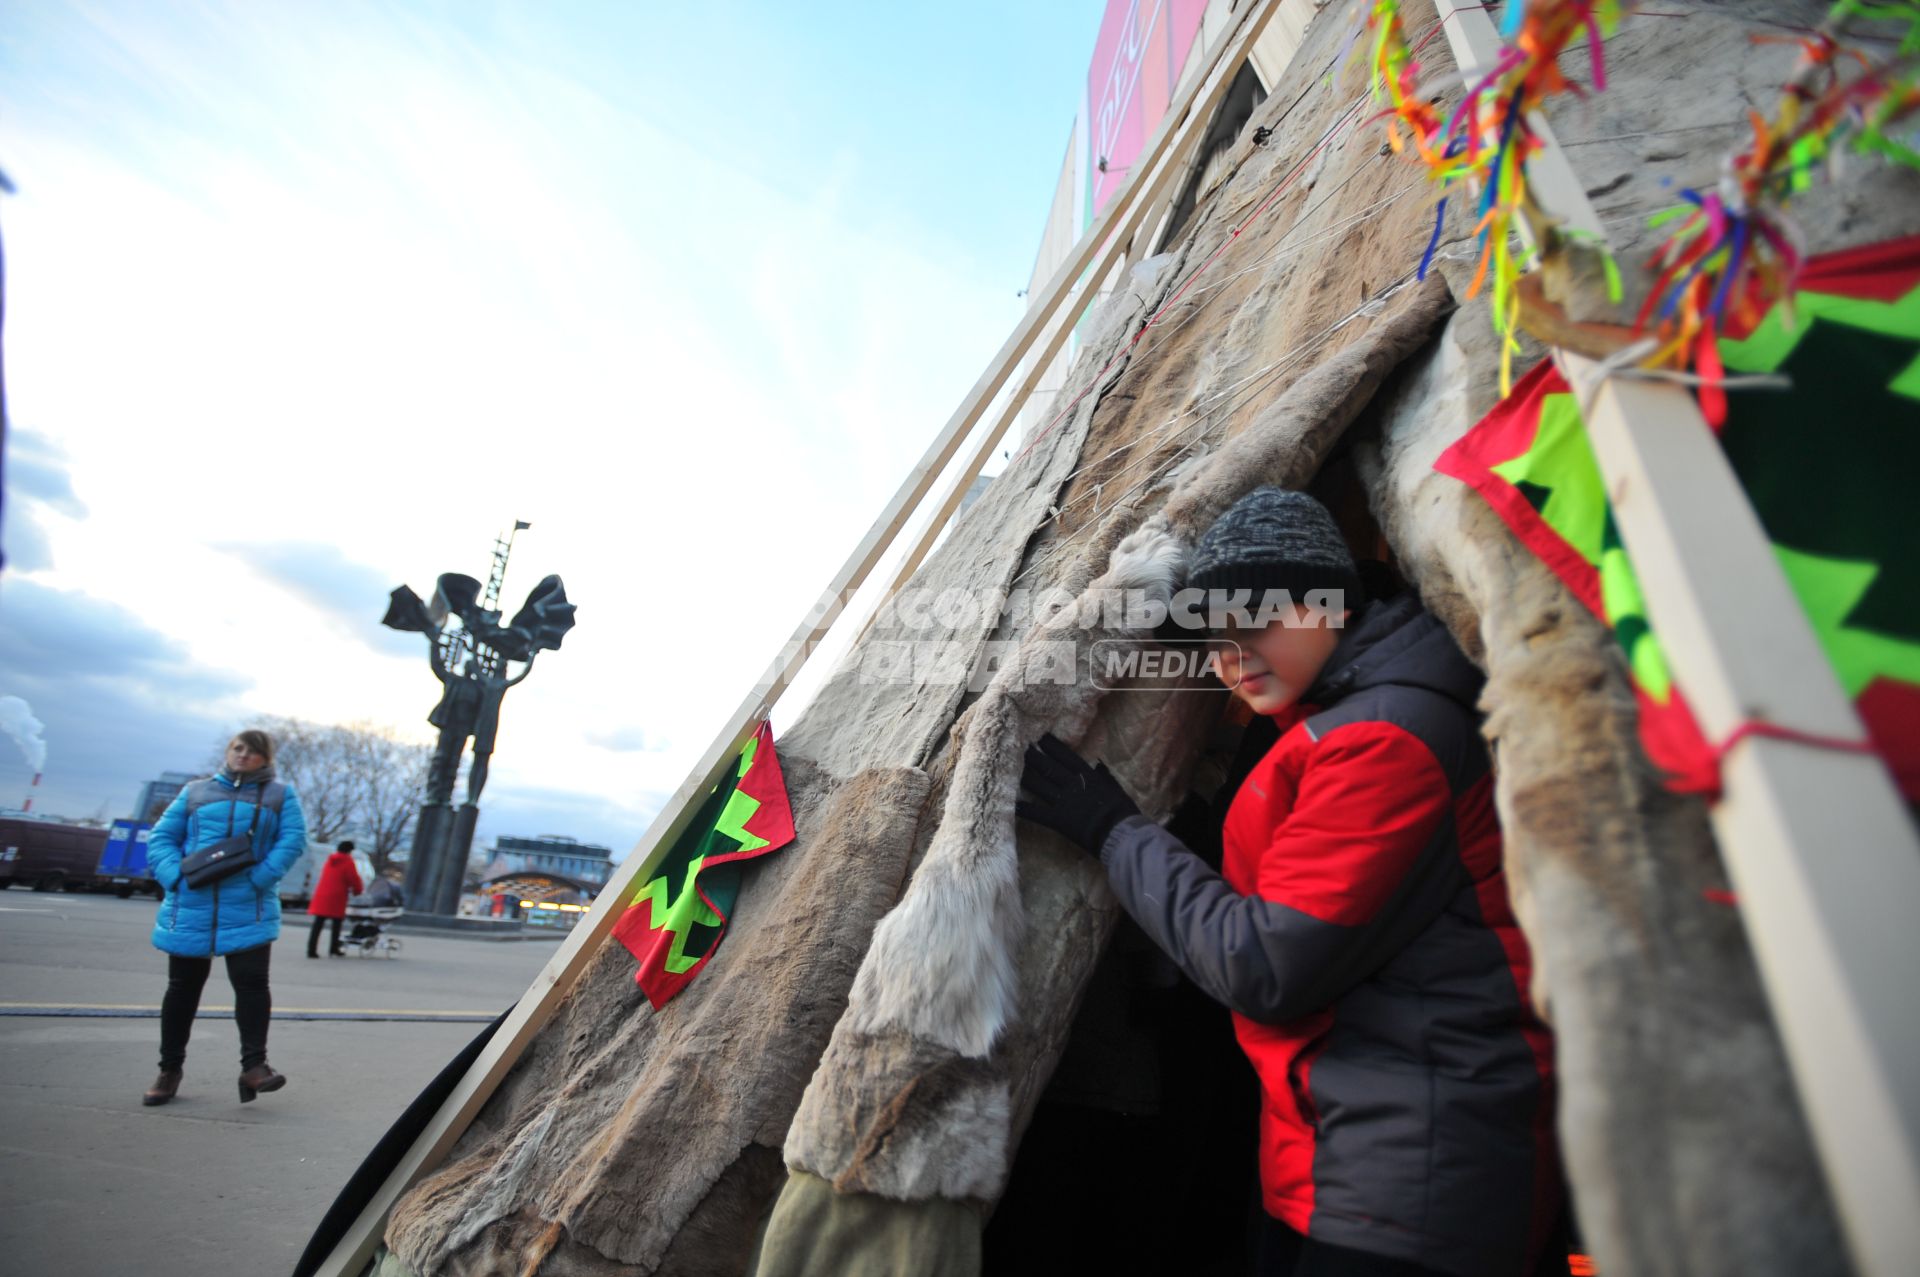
x: 1774, y: 731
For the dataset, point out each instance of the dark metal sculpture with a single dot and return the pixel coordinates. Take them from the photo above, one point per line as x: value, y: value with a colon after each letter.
x: 472, y: 654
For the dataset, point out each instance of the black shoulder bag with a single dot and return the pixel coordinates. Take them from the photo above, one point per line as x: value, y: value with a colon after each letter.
x: 229, y: 856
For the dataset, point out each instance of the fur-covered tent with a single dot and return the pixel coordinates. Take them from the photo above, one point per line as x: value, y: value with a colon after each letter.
x: 847, y: 1086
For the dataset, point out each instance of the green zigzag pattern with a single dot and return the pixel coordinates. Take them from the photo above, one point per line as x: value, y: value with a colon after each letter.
x: 1561, y: 464
x: 741, y: 806
x: 679, y: 916
x: 1772, y: 342
x: 685, y: 909
x: 1832, y: 588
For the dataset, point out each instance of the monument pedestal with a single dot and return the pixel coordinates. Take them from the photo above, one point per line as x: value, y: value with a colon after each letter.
x: 454, y: 849
x: 423, y: 860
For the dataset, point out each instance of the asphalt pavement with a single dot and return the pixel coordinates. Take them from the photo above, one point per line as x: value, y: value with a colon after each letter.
x: 94, y: 1185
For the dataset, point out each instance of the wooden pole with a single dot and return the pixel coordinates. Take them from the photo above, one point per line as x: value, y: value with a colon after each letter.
x: 1099, y: 248
x: 1816, y: 840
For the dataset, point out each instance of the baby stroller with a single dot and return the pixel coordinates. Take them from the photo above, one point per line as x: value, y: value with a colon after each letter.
x: 366, y: 929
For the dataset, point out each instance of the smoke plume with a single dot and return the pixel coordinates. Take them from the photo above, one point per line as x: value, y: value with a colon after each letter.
x: 17, y: 721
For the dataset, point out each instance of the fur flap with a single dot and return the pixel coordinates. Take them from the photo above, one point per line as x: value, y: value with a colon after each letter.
x: 941, y: 963
x: 502, y: 1182
x: 1151, y: 558
x: 894, y: 1115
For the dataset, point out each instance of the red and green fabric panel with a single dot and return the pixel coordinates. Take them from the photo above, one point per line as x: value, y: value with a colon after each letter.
x: 1828, y: 465
x: 677, y: 918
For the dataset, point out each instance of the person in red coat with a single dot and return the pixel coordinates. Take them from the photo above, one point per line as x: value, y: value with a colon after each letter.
x: 339, y: 878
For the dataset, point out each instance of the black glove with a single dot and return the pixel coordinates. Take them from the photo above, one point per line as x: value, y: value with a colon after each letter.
x: 1071, y: 796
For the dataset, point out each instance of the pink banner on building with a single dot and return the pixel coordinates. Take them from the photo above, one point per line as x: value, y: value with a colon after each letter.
x: 1143, y: 45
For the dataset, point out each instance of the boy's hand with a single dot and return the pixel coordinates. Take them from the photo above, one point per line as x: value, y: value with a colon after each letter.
x: 1071, y: 796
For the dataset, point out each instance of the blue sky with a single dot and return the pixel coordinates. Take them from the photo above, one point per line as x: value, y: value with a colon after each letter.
x: 309, y: 300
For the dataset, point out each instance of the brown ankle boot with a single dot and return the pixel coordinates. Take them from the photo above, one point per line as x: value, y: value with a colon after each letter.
x: 164, y: 1087
x: 260, y: 1077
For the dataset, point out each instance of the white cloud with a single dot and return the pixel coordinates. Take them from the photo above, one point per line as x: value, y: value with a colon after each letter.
x: 324, y: 277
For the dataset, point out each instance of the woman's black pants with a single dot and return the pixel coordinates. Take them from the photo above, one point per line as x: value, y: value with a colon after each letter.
x: 252, y: 1004
x: 313, y: 937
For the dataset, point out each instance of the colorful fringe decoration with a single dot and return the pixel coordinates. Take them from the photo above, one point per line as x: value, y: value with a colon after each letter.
x: 1489, y: 137
x: 1834, y: 502
x: 1735, y: 251
x: 1394, y: 80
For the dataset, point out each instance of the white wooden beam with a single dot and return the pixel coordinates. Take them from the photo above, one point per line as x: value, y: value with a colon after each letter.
x: 1816, y: 840
x: 1099, y: 248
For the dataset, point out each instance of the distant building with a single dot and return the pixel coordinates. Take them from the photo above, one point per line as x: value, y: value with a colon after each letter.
x: 580, y: 862
x: 156, y: 794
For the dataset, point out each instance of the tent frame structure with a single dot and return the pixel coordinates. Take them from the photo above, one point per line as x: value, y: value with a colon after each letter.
x: 1100, y: 248
x: 1816, y: 840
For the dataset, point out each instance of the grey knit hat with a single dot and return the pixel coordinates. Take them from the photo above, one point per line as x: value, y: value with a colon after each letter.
x: 1275, y: 539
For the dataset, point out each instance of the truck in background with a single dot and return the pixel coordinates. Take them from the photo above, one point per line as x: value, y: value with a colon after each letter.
x: 48, y: 856
x: 123, y: 865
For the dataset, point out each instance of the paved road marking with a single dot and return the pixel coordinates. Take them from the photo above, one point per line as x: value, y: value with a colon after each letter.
x: 134, y: 1011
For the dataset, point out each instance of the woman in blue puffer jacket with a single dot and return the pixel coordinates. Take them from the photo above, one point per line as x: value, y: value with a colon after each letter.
x: 237, y: 918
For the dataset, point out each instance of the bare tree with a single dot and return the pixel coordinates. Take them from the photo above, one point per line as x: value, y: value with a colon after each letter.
x: 391, y: 779
x: 360, y: 778
x: 316, y: 759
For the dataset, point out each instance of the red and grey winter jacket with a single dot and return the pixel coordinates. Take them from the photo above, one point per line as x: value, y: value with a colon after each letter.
x: 1361, y: 934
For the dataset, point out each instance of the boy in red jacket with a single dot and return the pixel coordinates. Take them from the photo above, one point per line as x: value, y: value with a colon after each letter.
x: 1359, y: 931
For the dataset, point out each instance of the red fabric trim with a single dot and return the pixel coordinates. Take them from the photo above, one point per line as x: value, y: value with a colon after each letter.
x: 1506, y: 432
x: 764, y: 782
x: 1370, y: 799
x: 1675, y: 744
x: 774, y: 820
x: 1891, y: 710
x: 1883, y: 272
x: 635, y: 931
x: 659, y: 984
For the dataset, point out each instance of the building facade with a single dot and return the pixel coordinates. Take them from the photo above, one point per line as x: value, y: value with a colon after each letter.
x: 156, y: 794
x: 581, y: 862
